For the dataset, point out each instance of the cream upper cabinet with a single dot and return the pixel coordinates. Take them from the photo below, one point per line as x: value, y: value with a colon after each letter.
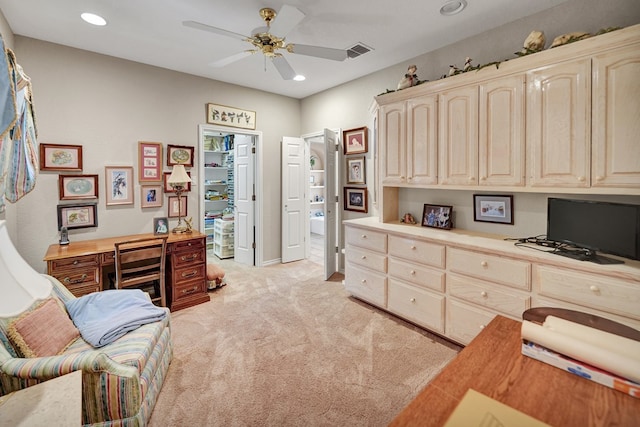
x: 616, y: 118
x: 392, y: 129
x: 501, y: 142
x: 422, y: 141
x: 458, y: 136
x: 559, y: 124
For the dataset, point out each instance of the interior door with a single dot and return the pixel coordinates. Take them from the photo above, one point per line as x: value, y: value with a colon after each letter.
x: 294, y: 184
x: 331, y: 205
x: 244, y: 248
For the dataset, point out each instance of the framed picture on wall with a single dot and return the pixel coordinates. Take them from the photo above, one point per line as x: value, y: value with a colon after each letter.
x: 149, y: 161
x: 355, y: 140
x: 355, y: 170
x: 119, y: 185
x: 355, y: 199
x: 151, y: 196
x: 77, y: 216
x: 493, y: 208
x: 74, y: 187
x: 169, y: 189
x: 58, y: 157
x: 177, y: 207
x: 180, y: 155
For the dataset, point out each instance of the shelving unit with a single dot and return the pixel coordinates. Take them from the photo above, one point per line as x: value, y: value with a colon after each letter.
x: 223, y: 238
x: 218, y: 190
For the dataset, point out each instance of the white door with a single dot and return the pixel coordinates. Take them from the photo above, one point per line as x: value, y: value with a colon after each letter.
x: 244, y: 251
x: 294, y: 184
x: 330, y: 205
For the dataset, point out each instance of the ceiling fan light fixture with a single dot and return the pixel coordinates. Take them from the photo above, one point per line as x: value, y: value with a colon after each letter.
x: 299, y: 78
x: 93, y: 19
x: 453, y: 7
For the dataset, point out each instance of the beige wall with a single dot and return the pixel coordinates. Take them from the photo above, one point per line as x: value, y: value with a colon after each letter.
x: 347, y: 106
x: 107, y: 105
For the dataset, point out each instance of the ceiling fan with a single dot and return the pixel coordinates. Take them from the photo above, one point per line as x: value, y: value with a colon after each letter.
x: 265, y: 40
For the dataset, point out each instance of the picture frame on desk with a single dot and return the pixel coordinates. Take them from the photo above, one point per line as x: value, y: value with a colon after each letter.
x: 160, y: 226
x: 77, y: 187
x: 119, y: 185
x: 149, y: 161
x: 437, y: 216
x: 60, y: 157
x: 77, y: 216
x: 180, y: 155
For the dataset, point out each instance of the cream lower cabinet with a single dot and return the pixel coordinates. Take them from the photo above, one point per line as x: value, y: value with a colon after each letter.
x: 454, y: 284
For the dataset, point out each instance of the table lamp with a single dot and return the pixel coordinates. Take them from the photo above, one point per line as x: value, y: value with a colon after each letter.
x: 178, y: 181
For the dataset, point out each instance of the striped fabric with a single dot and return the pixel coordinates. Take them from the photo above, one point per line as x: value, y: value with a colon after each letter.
x: 120, y: 381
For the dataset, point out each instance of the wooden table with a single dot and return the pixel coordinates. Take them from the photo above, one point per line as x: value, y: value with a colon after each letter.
x: 493, y: 365
x: 83, y: 266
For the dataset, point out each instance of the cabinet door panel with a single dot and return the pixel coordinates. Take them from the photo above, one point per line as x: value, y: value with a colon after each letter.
x: 393, y: 143
x: 422, y: 141
x: 558, y: 124
x: 501, y: 139
x: 616, y: 109
x: 458, y: 136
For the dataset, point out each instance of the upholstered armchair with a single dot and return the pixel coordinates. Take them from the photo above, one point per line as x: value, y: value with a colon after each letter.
x: 120, y: 381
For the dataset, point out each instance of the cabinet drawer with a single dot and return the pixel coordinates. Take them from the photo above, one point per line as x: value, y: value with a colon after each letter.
x: 493, y: 268
x: 417, y: 274
x: 366, y: 284
x: 417, y: 250
x: 79, y: 291
x: 486, y: 295
x: 108, y: 258
x: 189, y: 273
x: 602, y: 293
x: 417, y: 305
x: 74, y: 263
x: 187, y: 244
x: 464, y: 321
x: 367, y: 259
x: 78, y: 277
x: 196, y: 255
x: 187, y: 289
x: 368, y: 239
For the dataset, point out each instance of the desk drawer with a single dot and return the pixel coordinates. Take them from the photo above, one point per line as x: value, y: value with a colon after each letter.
x: 195, y: 255
x: 417, y: 250
x: 188, y: 289
x: 108, y: 258
x: 507, y: 271
x: 74, y: 263
x: 417, y: 274
x: 194, y: 272
x: 77, y: 278
x: 367, y: 259
x: 186, y: 245
x: 368, y: 239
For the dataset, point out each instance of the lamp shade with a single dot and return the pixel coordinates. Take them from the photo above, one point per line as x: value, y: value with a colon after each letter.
x: 178, y: 176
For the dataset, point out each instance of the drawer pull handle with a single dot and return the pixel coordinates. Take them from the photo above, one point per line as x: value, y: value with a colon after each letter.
x: 483, y: 294
x: 364, y: 236
x: 363, y: 257
x: 412, y: 300
x: 76, y: 262
x: 190, y: 274
x: 482, y: 326
x: 594, y: 288
x: 413, y: 247
x: 484, y: 263
x: 412, y: 272
x: 363, y: 281
x: 190, y: 290
x: 189, y: 258
x: 80, y: 280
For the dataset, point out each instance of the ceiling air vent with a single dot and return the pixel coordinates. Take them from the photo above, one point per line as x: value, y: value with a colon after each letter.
x: 358, y: 50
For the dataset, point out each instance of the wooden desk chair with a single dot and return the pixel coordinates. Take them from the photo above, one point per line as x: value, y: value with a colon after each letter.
x: 140, y: 263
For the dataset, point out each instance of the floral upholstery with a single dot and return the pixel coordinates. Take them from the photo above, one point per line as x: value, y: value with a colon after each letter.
x: 120, y: 381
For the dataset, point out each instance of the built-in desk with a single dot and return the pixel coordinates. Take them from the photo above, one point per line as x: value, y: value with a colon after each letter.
x: 83, y: 266
x: 493, y: 365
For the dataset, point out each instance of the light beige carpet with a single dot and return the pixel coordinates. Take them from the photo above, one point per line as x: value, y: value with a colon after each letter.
x: 278, y: 346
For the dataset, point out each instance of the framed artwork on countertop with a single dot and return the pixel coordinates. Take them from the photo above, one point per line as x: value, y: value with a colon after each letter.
x: 437, y: 216
x: 149, y: 161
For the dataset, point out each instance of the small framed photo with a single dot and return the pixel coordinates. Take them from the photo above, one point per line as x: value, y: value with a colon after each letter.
x: 355, y: 199
x: 493, y: 208
x: 355, y: 140
x: 160, y: 226
x: 177, y: 208
x: 180, y: 155
x: 75, y: 187
x: 77, y: 216
x: 355, y: 170
x: 150, y: 161
x: 119, y: 185
x: 151, y: 196
x: 57, y: 157
x: 437, y: 216
x: 169, y: 189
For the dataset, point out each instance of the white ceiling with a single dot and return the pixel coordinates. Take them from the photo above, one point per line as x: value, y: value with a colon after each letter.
x: 151, y: 32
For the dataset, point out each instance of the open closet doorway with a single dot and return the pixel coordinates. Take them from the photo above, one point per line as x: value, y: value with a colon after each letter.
x: 323, y: 208
x: 229, y: 207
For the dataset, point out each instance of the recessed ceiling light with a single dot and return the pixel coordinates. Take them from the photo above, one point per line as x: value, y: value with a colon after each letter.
x: 299, y: 78
x: 453, y: 7
x: 93, y: 19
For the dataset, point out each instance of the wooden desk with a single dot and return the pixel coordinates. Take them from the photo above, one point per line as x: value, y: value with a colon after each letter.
x: 493, y: 365
x: 83, y: 266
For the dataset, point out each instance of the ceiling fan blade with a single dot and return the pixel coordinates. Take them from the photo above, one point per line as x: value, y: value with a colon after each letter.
x: 286, y: 20
x: 215, y: 30
x: 284, y: 68
x: 317, y: 51
x: 229, y: 59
